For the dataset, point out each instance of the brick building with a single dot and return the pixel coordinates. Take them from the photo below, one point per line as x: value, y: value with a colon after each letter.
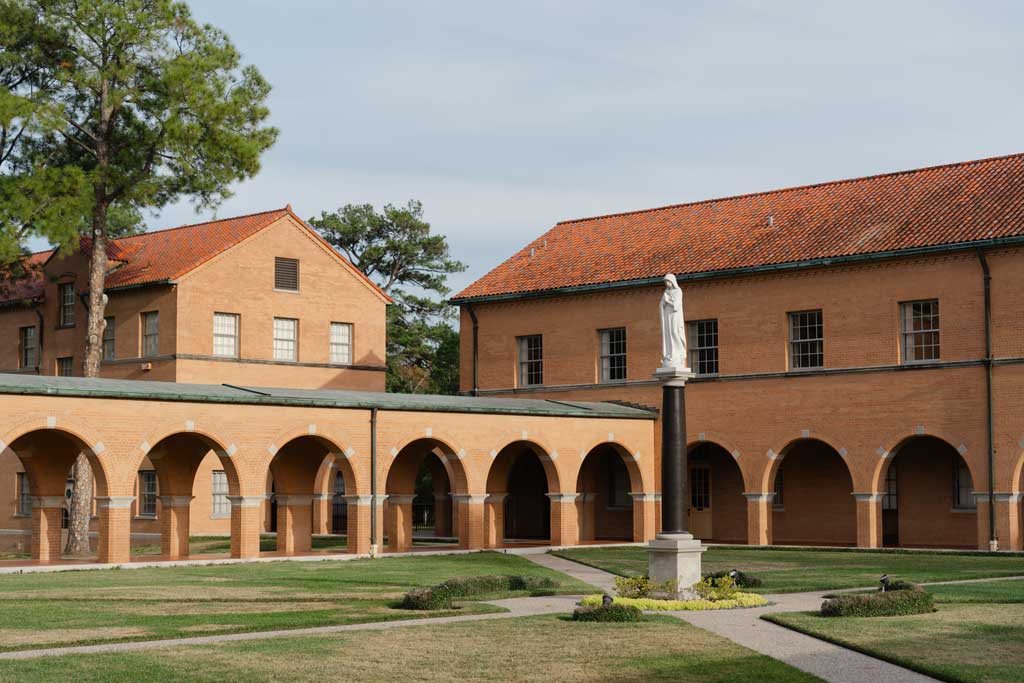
x: 858, y: 348
x: 251, y: 300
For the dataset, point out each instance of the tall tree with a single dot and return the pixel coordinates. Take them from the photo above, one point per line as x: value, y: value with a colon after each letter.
x: 152, y: 107
x: 37, y: 198
x: 395, y: 248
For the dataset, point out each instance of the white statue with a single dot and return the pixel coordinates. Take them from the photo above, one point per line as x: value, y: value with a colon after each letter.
x: 673, y: 336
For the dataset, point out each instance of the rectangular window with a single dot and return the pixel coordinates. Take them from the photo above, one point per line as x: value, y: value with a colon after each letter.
x: 703, y: 344
x: 147, y: 493
x: 286, y: 335
x: 66, y: 295
x: 806, y: 340
x: 777, y: 501
x: 891, y: 498
x: 341, y: 343
x: 920, y: 330
x: 66, y: 366
x: 219, y: 486
x: 613, y: 355
x: 24, y: 495
x: 531, y: 360
x: 28, y: 348
x: 286, y: 274
x: 225, y: 335
x: 108, y: 338
x: 700, y: 488
x: 963, y: 486
x: 150, y: 334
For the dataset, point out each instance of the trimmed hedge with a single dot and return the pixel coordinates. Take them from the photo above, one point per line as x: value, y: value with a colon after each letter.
x: 614, y: 612
x: 891, y: 603
x: 652, y: 604
x: 742, y: 579
x: 441, y: 596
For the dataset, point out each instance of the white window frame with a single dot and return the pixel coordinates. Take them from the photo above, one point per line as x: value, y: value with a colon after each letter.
x: 286, y: 349
x: 228, y: 348
x: 66, y: 304
x: 220, y: 507
x: 26, y: 334
x: 24, y: 494
x: 608, y: 354
x: 341, y: 348
x: 703, y: 345
x: 150, y: 339
x: 109, y: 338
x: 530, y: 366
x: 799, y: 345
x: 917, y: 327
x: 147, y: 498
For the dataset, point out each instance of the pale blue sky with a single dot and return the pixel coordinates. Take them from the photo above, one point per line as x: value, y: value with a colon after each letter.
x: 503, y: 118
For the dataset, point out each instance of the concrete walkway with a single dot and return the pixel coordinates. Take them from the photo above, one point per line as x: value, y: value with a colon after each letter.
x: 745, y: 627
x: 517, y: 607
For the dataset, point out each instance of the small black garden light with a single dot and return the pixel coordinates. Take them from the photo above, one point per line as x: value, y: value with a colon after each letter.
x: 606, y: 600
x: 884, y: 580
x: 733, y: 574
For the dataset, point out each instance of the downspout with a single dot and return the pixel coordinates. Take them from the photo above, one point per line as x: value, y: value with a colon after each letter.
x: 39, y: 343
x: 993, y: 541
x: 476, y: 350
x: 373, y: 482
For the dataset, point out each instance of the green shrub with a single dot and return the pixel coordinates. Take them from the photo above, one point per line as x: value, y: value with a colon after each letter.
x: 442, y: 595
x: 633, y: 586
x: 713, y: 589
x: 892, y: 603
x: 611, y: 612
x: 899, y: 586
x: 742, y: 579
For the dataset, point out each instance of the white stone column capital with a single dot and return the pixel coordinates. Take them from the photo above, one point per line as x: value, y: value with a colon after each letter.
x: 867, y: 497
x: 114, y: 502
x: 48, y: 501
x: 176, y: 501
x: 644, y: 497
x: 759, y: 496
x: 354, y: 499
x: 247, y: 501
x: 470, y: 498
x: 496, y: 498
x: 563, y: 497
x: 401, y: 498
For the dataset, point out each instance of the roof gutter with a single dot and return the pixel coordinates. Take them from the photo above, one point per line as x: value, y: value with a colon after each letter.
x: 747, y: 270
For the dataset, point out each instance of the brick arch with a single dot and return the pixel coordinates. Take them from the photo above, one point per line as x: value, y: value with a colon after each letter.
x: 775, y: 456
x: 1017, y: 480
x: 336, y: 442
x: 451, y: 457
x: 83, y: 436
x: 210, y: 432
x: 544, y: 454
x: 890, y: 447
x: 630, y: 457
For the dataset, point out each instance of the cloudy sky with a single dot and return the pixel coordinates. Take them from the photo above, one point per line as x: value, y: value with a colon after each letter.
x: 503, y: 118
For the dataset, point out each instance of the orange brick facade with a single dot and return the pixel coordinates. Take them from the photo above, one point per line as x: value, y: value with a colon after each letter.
x: 294, y: 445
x: 835, y: 434
x: 239, y: 281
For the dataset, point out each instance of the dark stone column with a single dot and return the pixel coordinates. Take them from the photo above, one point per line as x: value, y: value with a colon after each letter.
x: 675, y: 499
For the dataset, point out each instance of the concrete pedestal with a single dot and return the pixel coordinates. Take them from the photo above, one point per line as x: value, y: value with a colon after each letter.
x: 675, y: 557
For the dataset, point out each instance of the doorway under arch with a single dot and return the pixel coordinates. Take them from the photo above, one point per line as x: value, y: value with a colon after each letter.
x: 718, y: 510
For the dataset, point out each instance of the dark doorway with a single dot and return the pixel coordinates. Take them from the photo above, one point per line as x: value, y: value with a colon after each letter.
x: 339, y: 508
x: 527, y: 508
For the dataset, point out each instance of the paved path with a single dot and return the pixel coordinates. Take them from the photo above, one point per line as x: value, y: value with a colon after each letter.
x: 745, y: 627
x: 517, y: 607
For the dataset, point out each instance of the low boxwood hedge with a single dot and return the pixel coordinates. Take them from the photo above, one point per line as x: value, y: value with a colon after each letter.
x: 742, y: 579
x: 653, y: 604
x: 891, y: 603
x: 613, y: 612
x: 441, y: 596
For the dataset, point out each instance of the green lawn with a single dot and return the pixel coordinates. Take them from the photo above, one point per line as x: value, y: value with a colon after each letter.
x: 38, y: 610
x: 535, y: 649
x: 976, y: 634
x: 790, y: 571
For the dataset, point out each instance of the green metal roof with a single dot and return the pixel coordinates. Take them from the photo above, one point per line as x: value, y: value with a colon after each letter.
x: 36, y: 385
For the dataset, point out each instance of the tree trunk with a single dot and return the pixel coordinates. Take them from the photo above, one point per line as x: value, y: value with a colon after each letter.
x: 81, y: 502
x: 81, y: 509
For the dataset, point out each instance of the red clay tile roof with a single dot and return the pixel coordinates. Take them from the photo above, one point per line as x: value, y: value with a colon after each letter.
x: 30, y: 286
x: 941, y: 205
x: 166, y: 255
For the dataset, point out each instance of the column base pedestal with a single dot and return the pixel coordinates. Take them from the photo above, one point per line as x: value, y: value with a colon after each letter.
x: 675, y: 557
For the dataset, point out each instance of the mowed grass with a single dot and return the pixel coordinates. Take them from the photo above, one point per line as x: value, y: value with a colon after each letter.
x: 534, y: 649
x: 65, y: 608
x: 796, y: 570
x: 976, y: 634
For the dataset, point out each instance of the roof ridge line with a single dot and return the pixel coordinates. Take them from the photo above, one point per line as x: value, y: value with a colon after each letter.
x: 794, y: 188
x: 196, y: 225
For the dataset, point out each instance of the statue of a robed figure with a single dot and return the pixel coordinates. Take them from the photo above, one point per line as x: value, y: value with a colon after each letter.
x: 673, y: 325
